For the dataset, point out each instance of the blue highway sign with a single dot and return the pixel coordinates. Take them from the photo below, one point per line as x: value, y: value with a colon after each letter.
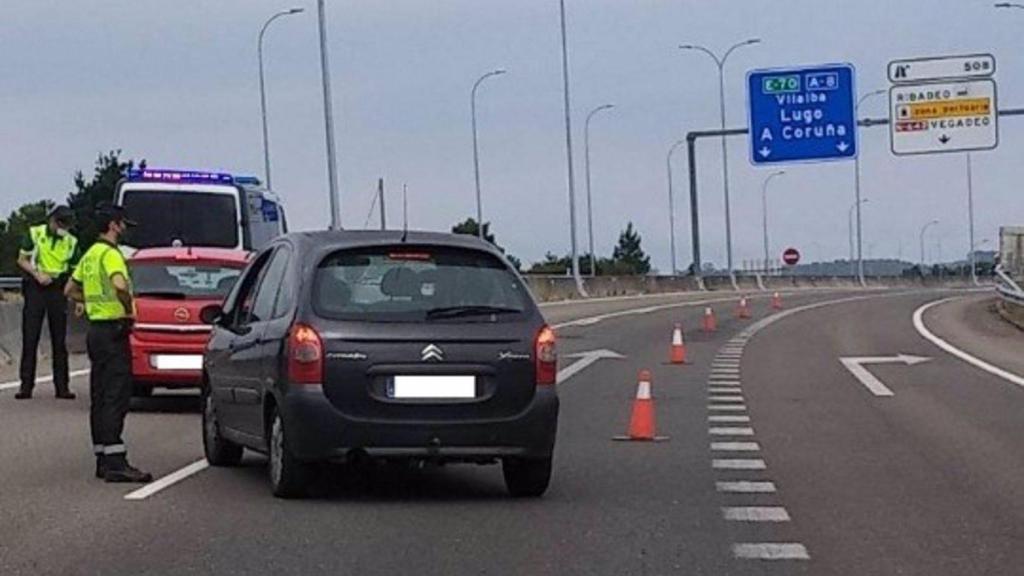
x: 802, y: 114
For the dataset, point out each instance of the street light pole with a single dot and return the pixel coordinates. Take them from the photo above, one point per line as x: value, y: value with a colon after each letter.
x: 476, y: 151
x: 568, y: 152
x: 263, y: 90
x: 325, y: 73
x: 764, y: 211
x: 921, y: 237
x: 856, y: 169
x: 970, y: 218
x: 671, y: 205
x: 720, y: 63
x: 590, y: 202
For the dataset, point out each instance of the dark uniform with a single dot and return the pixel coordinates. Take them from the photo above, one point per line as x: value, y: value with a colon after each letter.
x: 110, y: 378
x: 53, y: 254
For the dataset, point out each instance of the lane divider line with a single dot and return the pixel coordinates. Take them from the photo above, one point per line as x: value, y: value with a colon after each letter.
x: 727, y: 431
x: 771, y: 551
x: 168, y: 481
x: 728, y: 407
x: 738, y: 464
x: 927, y: 334
x: 755, y: 514
x: 43, y: 379
x: 728, y: 418
x: 735, y: 447
x: 746, y: 487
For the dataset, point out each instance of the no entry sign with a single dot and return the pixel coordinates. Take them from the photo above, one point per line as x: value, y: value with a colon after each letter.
x: 791, y: 256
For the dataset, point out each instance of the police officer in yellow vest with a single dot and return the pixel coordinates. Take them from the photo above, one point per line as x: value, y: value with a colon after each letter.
x: 102, y: 281
x: 47, y: 256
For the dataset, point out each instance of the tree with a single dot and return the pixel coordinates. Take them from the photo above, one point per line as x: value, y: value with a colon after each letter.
x: 108, y: 171
x: 628, y: 257
x: 15, y: 228
x: 469, y: 227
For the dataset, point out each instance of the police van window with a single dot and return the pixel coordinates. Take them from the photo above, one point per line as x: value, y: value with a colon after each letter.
x: 266, y: 295
x: 193, y: 218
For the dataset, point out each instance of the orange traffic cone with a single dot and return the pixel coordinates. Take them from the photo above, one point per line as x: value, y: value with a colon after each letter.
x: 641, y: 423
x: 678, y: 354
x: 776, y: 301
x: 710, y: 323
x: 743, y: 310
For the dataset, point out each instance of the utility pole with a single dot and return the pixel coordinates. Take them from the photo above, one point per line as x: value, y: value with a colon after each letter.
x: 380, y: 198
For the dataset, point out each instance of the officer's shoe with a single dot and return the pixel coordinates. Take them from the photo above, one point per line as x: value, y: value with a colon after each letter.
x: 101, y: 467
x: 23, y: 395
x: 66, y: 395
x: 125, y: 473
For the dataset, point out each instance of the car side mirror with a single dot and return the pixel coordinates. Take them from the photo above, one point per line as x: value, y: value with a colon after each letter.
x: 212, y: 314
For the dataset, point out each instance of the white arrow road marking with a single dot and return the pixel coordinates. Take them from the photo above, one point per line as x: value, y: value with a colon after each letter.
x: 856, y: 367
x: 585, y: 359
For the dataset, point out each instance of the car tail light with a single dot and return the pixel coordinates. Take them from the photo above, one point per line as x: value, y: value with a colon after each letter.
x: 546, y: 357
x: 305, y: 356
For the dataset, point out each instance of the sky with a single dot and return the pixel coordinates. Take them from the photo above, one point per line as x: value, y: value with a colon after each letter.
x: 176, y: 84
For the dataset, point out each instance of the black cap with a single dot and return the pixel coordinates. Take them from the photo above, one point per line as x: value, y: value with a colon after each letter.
x: 61, y: 214
x: 107, y: 213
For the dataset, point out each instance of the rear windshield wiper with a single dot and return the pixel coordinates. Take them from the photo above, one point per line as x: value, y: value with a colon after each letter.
x: 469, y: 310
x: 163, y: 294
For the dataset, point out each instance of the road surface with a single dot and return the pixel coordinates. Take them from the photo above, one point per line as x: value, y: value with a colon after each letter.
x: 780, y: 461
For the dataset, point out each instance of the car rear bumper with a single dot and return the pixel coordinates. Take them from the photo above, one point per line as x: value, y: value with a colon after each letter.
x: 318, y: 431
x: 144, y: 370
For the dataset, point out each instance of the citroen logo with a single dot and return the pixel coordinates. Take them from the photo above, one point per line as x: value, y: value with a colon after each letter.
x: 182, y: 314
x: 432, y: 352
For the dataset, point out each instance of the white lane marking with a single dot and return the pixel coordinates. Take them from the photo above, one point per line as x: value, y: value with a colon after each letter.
x: 42, y: 380
x: 755, y: 514
x: 746, y: 487
x: 724, y: 389
x: 725, y: 399
x: 719, y: 418
x: 725, y: 370
x: 738, y: 464
x: 770, y: 551
x: 723, y: 381
x: 946, y: 346
x: 730, y: 431
x: 728, y: 407
x: 735, y: 446
x: 585, y: 359
x: 168, y: 481
x: 856, y: 367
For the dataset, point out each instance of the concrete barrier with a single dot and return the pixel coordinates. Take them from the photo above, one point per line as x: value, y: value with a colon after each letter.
x: 10, y: 335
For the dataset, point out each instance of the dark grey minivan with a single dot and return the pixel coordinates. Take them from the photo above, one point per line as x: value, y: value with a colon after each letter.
x: 336, y: 346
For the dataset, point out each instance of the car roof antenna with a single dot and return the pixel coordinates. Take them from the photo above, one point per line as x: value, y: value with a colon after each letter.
x: 405, y: 212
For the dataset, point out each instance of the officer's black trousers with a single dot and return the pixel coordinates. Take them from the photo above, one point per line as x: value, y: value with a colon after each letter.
x: 44, y: 302
x: 110, y: 384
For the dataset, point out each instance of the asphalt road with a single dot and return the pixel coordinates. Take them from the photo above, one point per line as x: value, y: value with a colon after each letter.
x: 776, y: 450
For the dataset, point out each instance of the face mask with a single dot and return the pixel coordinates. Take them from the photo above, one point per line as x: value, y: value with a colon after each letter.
x: 62, y: 233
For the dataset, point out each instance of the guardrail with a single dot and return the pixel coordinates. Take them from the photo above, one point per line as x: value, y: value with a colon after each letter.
x: 10, y: 282
x: 1008, y: 288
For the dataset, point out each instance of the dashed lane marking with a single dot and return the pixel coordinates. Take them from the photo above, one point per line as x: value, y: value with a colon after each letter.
x: 730, y: 431
x: 725, y: 399
x: 744, y: 487
x: 735, y: 446
x: 770, y: 551
x: 727, y: 418
x: 728, y: 407
x: 755, y: 514
x: 738, y: 464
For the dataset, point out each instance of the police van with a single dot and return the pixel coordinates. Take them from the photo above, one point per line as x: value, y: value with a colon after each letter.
x: 194, y: 208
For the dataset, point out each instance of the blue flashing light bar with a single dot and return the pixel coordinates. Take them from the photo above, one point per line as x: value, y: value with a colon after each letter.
x: 248, y: 181
x: 180, y: 176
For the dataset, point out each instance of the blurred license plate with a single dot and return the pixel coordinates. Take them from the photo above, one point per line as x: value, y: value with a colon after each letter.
x: 436, y: 387
x: 177, y: 361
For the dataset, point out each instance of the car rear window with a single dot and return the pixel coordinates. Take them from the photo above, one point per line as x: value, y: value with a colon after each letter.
x: 185, y: 280
x: 418, y: 284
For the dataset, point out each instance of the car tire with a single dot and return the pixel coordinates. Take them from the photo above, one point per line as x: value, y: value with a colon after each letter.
x: 527, y: 477
x: 219, y: 451
x: 289, y: 477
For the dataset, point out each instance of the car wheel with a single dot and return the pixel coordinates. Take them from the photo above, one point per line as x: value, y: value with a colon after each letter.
x: 219, y: 451
x: 288, y: 476
x: 527, y: 477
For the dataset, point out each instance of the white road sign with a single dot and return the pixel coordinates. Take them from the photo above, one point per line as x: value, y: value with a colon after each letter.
x: 952, y: 116
x: 942, y: 68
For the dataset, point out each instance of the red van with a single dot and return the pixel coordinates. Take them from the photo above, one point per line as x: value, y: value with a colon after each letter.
x: 171, y: 286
